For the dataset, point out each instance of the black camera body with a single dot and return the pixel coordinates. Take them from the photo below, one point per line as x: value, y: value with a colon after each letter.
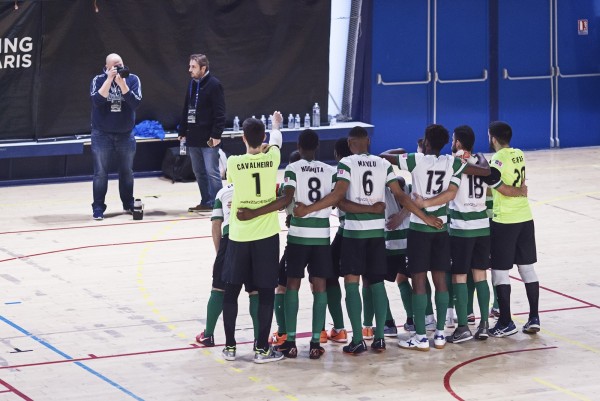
x: 123, y: 71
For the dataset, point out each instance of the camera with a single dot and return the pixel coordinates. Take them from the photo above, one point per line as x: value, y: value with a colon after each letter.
x: 122, y: 71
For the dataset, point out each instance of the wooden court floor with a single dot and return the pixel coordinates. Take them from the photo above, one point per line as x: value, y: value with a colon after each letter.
x: 109, y: 310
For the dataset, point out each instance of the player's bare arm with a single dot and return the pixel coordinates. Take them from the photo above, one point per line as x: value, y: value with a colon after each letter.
x: 391, y: 155
x: 332, y: 199
x: 277, y: 204
x: 407, y: 203
x: 440, y: 199
x: 353, y: 207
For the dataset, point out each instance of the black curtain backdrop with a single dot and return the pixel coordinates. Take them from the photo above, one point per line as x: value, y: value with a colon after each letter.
x: 269, y: 54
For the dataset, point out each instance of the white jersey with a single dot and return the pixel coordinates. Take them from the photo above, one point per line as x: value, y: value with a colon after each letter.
x: 311, y: 180
x: 368, y: 176
x: 468, y: 210
x: 222, y: 208
x: 431, y: 175
x: 395, y: 240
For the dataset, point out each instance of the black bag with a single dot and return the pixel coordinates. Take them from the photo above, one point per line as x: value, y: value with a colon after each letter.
x: 177, y: 167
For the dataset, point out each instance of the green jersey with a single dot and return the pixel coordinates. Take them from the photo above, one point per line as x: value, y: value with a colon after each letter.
x: 255, y: 178
x: 222, y: 208
x: 510, y: 162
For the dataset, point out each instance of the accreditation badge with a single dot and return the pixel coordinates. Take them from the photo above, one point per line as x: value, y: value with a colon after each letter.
x: 191, y: 117
x: 115, y: 106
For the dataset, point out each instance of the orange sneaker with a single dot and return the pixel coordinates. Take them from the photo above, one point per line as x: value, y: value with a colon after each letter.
x: 367, y: 333
x: 338, y: 336
x: 323, y: 339
x: 277, y: 339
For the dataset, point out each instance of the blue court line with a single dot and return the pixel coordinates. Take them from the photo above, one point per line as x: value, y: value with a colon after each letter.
x: 59, y: 352
x: 12, y: 303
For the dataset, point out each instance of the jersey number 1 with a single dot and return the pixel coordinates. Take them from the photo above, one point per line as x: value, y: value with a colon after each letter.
x: 257, y: 182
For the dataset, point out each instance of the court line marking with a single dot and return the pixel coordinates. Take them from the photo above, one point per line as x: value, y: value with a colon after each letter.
x: 561, y: 294
x: 561, y: 198
x: 64, y: 355
x: 14, y: 390
x: 560, y: 389
x: 453, y: 370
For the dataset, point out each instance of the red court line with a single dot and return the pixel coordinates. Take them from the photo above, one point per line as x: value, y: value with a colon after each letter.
x: 555, y: 310
x: 562, y: 294
x: 14, y: 390
x: 449, y: 374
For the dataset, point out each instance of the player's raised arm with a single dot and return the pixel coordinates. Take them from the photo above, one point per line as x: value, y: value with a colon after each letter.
x: 406, y: 202
x: 391, y: 155
x: 482, y: 168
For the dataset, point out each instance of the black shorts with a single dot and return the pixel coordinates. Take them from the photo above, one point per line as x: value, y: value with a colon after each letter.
x: 219, y: 266
x: 469, y: 253
x: 428, y: 251
x: 512, y: 244
x: 316, y: 257
x: 336, y: 251
x: 282, y: 280
x: 364, y: 256
x: 396, y: 263
x: 253, y: 262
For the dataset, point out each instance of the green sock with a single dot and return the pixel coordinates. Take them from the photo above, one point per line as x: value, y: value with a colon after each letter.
x: 441, y: 306
x: 471, y: 293
x: 318, y: 315
x: 450, y: 291
x: 279, y: 307
x: 495, y: 306
x: 354, y: 309
x: 483, y: 298
x: 419, y: 304
x: 429, y: 308
x: 253, y: 309
x: 368, y: 312
x: 406, y: 295
x: 461, y: 294
x: 213, y: 310
x: 388, y: 315
x: 291, y: 313
x: 334, y: 303
x: 380, y: 304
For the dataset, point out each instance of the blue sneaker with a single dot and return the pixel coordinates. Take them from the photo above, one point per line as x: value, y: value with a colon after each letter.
x: 98, y: 214
x: 500, y: 330
x: 532, y: 326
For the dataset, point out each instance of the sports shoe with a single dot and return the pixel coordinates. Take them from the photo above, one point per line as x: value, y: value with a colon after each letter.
x: 355, y: 349
x: 450, y: 318
x: 338, y: 336
x: 410, y: 327
x: 471, y: 319
x: 315, y: 351
x: 483, y: 331
x: 390, y: 331
x: 200, y: 208
x: 378, y: 345
x: 277, y: 339
x: 460, y: 335
x: 367, y: 333
x: 288, y: 349
x: 439, y: 339
x: 98, y: 214
x: 323, y: 338
x: 494, y: 313
x: 416, y: 342
x: 229, y: 353
x: 532, y: 326
x: 503, y: 331
x: 268, y: 355
x: 430, y: 323
x: 206, y: 341
x: 128, y: 210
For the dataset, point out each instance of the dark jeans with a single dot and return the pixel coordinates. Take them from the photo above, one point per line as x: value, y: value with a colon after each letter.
x: 104, y: 146
x: 205, y: 163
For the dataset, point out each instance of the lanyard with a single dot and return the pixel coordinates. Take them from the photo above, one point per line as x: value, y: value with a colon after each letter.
x: 197, y: 92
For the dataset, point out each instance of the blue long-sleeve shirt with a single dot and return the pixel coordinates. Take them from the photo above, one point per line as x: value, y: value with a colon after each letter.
x: 103, y: 118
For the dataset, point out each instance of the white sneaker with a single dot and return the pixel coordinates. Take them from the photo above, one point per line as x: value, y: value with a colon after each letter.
x: 450, y: 318
x: 416, y: 342
x: 439, y: 339
x: 430, y: 323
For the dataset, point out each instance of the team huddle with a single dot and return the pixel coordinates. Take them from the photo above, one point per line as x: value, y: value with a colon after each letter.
x: 388, y: 230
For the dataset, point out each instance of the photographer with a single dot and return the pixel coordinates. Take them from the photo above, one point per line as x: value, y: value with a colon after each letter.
x: 115, y: 95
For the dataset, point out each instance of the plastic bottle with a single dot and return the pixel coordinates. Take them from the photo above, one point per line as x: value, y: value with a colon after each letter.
x: 291, y: 121
x: 270, y: 123
x: 182, y: 148
x: 236, y: 124
x: 297, y: 122
x: 138, y: 209
x: 316, y: 115
x: 263, y: 119
x: 306, y: 121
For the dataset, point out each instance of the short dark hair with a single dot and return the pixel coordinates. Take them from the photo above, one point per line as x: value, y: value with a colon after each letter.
x: 466, y: 136
x: 358, y: 132
x: 420, y: 142
x: 294, y: 157
x: 254, y: 132
x: 501, y: 131
x: 341, y: 148
x: 437, y: 136
x: 200, y: 59
x: 308, y: 140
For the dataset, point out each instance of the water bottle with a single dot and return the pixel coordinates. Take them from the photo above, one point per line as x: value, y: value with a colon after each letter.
x: 270, y: 123
x: 264, y: 120
x: 236, y: 124
x: 291, y: 121
x: 297, y: 122
x: 306, y: 121
x: 316, y: 115
x: 138, y: 209
x: 333, y: 120
x: 182, y: 149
